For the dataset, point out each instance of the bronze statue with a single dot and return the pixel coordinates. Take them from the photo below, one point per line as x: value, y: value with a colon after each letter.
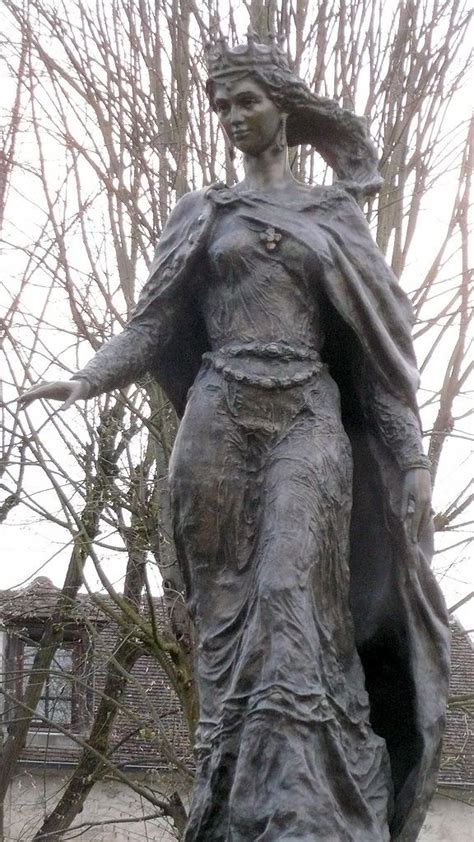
x: 300, y: 491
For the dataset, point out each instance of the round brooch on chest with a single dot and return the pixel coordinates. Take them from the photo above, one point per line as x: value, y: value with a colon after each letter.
x: 270, y: 237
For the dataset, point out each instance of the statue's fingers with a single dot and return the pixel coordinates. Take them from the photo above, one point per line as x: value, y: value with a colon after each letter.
x: 408, y: 514
x: 77, y: 389
x: 32, y: 394
x: 425, y: 518
x: 69, y: 402
x: 416, y: 521
x: 405, y: 503
x: 48, y: 391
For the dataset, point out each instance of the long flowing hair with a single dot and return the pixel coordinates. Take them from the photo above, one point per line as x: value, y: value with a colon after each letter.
x: 338, y: 135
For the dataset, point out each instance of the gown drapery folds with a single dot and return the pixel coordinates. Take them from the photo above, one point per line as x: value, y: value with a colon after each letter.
x: 322, y: 642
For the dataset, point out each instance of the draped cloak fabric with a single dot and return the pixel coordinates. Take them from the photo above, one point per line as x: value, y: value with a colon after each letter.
x: 399, y: 618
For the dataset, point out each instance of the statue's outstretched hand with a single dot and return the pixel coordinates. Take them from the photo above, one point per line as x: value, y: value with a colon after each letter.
x: 416, y: 501
x: 68, y: 391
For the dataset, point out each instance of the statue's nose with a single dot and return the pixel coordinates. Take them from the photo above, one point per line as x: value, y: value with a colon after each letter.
x: 235, y: 117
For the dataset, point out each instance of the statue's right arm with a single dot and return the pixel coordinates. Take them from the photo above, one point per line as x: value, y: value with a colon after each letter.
x: 123, y: 359
x: 129, y: 355
x: 119, y: 362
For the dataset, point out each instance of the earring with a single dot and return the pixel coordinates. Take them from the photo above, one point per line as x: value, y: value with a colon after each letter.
x: 281, y: 141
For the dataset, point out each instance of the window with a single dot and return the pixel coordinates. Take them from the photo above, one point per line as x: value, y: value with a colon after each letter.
x: 66, y: 698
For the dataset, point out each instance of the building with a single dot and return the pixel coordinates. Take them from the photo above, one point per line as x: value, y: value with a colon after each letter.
x: 451, y: 815
x: 150, y: 729
x: 146, y: 732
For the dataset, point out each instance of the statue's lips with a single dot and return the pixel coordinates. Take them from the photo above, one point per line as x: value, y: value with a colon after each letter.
x: 241, y: 134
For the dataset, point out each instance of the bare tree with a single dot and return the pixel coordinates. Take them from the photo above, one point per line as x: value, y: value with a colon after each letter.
x: 113, y: 107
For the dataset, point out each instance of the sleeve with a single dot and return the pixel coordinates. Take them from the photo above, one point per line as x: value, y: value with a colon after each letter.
x: 398, y: 427
x: 123, y: 359
x: 132, y: 353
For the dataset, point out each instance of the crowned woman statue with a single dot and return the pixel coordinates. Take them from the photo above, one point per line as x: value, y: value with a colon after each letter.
x: 299, y: 487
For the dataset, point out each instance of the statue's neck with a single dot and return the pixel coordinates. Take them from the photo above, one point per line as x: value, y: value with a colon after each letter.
x: 269, y: 169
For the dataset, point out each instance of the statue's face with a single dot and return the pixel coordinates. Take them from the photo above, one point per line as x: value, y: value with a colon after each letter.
x: 250, y: 119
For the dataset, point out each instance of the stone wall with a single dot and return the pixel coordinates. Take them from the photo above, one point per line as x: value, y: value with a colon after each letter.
x: 34, y: 793
x: 450, y: 817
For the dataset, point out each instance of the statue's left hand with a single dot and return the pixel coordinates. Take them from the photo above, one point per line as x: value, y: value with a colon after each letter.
x: 416, y: 501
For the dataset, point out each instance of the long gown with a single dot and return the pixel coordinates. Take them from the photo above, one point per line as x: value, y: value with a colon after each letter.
x: 261, y: 482
x: 270, y: 306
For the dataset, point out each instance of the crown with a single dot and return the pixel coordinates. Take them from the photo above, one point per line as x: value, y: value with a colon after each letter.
x: 225, y: 61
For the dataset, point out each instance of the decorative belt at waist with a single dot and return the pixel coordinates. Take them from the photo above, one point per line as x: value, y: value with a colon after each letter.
x: 269, y: 365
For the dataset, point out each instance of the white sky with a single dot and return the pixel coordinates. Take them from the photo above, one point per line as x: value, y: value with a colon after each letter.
x: 32, y: 547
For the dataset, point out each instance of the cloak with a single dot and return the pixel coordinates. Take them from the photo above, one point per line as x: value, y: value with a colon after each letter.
x: 400, y: 620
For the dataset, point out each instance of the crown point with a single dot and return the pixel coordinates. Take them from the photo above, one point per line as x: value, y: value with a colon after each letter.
x: 225, y: 61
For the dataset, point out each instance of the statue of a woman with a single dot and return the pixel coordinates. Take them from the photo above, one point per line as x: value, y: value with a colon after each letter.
x: 300, y: 492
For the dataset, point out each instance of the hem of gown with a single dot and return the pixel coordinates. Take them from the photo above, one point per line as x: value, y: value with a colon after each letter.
x: 306, y: 782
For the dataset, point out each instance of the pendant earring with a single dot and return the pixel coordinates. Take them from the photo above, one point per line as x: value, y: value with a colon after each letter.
x: 281, y: 141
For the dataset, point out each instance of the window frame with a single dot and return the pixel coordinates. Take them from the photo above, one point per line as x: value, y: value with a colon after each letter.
x: 76, y: 640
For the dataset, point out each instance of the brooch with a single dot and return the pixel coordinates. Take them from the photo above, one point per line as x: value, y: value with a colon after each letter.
x: 271, y: 238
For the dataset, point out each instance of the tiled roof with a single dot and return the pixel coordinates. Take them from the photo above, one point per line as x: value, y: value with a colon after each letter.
x: 150, y: 724
x: 457, y: 765
x: 38, y: 602
x: 154, y: 704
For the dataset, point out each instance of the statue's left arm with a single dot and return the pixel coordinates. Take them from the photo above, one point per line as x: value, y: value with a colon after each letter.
x: 391, y: 378
x: 399, y: 429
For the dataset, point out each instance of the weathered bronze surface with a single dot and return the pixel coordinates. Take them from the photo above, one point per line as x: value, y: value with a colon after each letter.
x: 299, y: 487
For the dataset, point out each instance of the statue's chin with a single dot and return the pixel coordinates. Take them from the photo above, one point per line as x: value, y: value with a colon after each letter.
x: 254, y: 150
